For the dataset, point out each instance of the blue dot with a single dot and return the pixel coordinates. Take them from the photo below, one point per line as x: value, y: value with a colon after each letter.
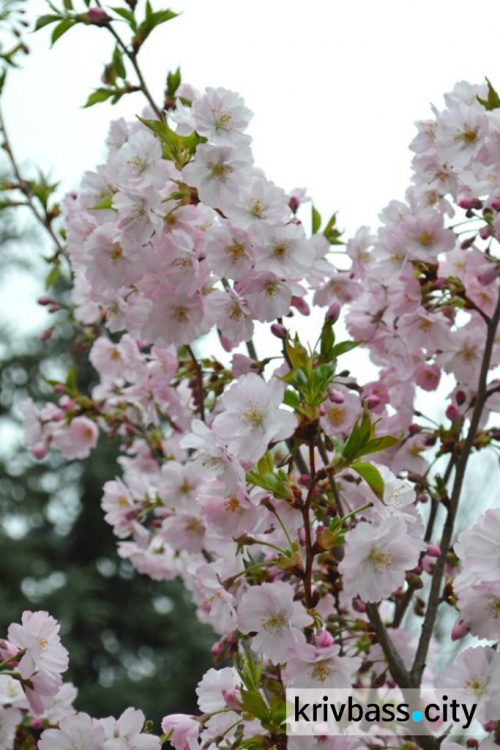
x: 417, y: 716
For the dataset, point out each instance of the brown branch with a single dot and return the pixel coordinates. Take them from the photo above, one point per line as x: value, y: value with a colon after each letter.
x: 446, y: 537
x: 199, y: 383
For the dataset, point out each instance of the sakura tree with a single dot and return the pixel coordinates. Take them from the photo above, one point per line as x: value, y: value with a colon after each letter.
x: 312, y: 514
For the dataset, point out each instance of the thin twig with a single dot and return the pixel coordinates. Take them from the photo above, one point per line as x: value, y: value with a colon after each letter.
x: 446, y: 537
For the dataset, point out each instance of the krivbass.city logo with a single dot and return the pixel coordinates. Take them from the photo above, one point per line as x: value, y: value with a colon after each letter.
x: 383, y: 711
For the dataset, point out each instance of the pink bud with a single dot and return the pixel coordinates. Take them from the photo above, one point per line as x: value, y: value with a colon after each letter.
x: 460, y: 397
x: 414, y: 428
x: 495, y: 204
x: 294, y: 204
x: 323, y: 639
x: 322, y: 410
x: 423, y: 498
x: 47, y: 334
x: 227, y: 345
x: 472, y: 742
x: 358, y: 606
x: 485, y: 232
x: 335, y: 396
x: 45, y: 301
x: 39, y: 451
x: 279, y: 331
x: 301, y: 305
x: 302, y: 536
x: 97, y: 16
x: 36, y: 724
x: 232, y: 698
x: 372, y: 402
x: 453, y: 413
x: 487, y: 272
x: 459, y: 630
x: 433, y: 550
x: 490, y: 726
x: 469, y: 203
x: 333, y: 312
x: 428, y: 564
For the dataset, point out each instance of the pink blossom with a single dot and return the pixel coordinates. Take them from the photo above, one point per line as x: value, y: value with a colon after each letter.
x: 182, y: 730
x: 270, y: 610
x: 78, y: 731
x: 38, y: 636
x: 251, y: 417
x: 78, y: 440
x: 376, y: 558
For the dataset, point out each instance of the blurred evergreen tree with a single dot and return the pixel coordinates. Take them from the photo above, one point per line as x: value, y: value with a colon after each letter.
x: 132, y: 641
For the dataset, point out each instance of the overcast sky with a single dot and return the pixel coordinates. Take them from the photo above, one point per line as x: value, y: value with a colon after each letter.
x: 335, y: 88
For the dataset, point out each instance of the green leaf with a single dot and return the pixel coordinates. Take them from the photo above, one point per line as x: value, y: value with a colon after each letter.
x: 290, y: 398
x: 127, y: 15
x: 152, y: 20
x: 118, y: 65
x: 372, y: 477
x: 316, y: 220
x: 61, y: 29
x: 379, y: 444
x: 327, y: 340
x: 493, y: 100
x: 71, y: 379
x: 343, y: 347
x: 45, y: 20
x: 52, y: 277
x: 254, y: 704
x: 173, y: 82
x: 360, y: 435
x: 99, y: 95
x: 68, y: 4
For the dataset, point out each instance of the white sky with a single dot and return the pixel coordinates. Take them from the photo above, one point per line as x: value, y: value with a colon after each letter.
x: 335, y: 88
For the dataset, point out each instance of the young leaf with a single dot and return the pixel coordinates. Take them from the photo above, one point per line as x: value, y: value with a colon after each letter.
x: 61, y: 29
x: 45, y: 20
x: 372, y: 477
x: 99, y: 95
x: 127, y: 15
x: 316, y: 220
x: 379, y: 444
x: 493, y: 100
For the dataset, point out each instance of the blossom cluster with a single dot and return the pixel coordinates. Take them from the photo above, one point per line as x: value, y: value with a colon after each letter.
x: 250, y: 480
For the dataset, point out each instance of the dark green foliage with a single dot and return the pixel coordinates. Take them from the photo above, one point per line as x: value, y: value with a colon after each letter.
x: 132, y: 641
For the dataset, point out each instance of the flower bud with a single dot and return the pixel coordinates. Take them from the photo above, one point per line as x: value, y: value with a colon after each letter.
x: 231, y: 698
x: 301, y: 305
x: 335, y: 396
x: 358, y: 606
x: 495, y: 204
x: 459, y: 630
x: 433, y: 550
x: 97, y: 16
x: 485, y: 232
x: 487, y: 272
x: 323, y: 639
x: 460, y: 397
x: 452, y: 412
x: 39, y: 451
x: 279, y: 331
x: 372, y: 401
x: 294, y: 204
x: 470, y: 203
x: 333, y: 312
x: 47, y: 334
